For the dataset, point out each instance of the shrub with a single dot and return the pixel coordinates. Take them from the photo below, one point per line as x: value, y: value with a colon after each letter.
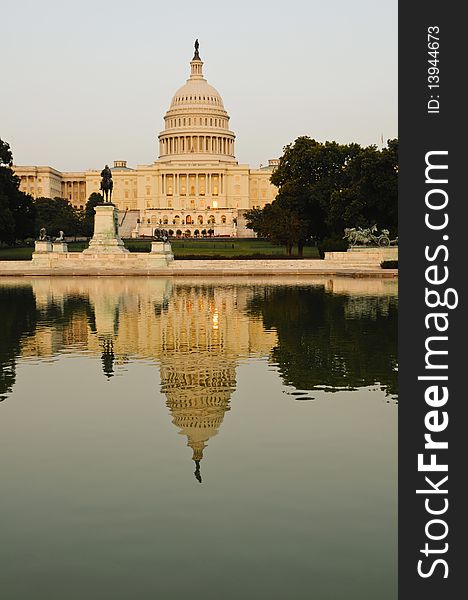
x: 389, y: 264
x: 334, y: 244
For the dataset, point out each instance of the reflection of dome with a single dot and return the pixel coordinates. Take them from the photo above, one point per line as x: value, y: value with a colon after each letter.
x: 197, y: 399
x: 196, y: 124
x: 198, y: 371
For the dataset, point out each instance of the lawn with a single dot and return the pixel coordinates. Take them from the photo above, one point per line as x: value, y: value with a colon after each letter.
x: 186, y: 248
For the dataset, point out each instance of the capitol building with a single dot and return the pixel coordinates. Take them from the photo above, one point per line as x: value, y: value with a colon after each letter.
x: 196, y: 183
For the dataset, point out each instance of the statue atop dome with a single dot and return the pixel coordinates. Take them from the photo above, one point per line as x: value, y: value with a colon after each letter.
x: 196, y: 56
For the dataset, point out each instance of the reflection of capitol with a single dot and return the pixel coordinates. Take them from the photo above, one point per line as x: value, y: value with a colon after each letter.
x: 196, y: 333
x: 198, y: 366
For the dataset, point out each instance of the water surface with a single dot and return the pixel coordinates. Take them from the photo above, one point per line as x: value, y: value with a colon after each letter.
x: 198, y: 438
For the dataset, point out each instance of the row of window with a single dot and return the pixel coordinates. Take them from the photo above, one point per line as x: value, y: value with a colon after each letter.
x: 209, y: 121
x: 188, y: 233
x: 189, y: 220
x: 199, y: 98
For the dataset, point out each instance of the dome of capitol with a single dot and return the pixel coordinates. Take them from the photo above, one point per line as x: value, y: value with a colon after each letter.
x: 197, y: 123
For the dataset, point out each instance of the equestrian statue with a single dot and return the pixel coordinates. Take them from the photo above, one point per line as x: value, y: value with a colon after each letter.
x: 107, y: 184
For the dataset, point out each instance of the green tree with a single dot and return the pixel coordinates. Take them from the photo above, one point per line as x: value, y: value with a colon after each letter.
x: 371, y: 193
x: 56, y: 214
x: 307, y: 176
x: 17, y: 211
x: 323, y: 188
x: 88, y: 221
x: 278, y: 223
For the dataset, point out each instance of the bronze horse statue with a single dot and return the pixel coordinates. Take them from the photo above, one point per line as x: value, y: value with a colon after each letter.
x: 107, y: 184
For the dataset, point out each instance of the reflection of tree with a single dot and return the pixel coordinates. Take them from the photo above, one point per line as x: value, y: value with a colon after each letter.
x: 17, y: 319
x: 20, y: 317
x: 60, y: 313
x: 330, y: 341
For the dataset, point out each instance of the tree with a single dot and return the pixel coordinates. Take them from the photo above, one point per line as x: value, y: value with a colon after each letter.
x: 56, y: 214
x: 308, y: 173
x: 323, y: 188
x: 278, y: 223
x: 371, y: 194
x: 16, y: 208
x: 88, y: 224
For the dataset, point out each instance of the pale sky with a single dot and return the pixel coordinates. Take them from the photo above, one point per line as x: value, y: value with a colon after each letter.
x: 86, y: 83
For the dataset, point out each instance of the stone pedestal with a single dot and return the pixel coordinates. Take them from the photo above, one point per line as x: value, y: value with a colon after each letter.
x: 363, y: 256
x: 43, y: 246
x: 106, y: 239
x: 162, y: 249
x: 59, y: 247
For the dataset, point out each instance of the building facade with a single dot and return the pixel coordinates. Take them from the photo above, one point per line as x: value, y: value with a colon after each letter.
x: 194, y: 185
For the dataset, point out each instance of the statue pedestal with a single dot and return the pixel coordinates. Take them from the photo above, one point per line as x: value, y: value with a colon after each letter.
x: 106, y: 239
x: 60, y: 247
x: 43, y: 246
x: 163, y: 249
x: 363, y: 256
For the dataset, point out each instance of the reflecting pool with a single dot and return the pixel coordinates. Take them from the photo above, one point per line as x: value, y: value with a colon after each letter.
x: 212, y: 439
